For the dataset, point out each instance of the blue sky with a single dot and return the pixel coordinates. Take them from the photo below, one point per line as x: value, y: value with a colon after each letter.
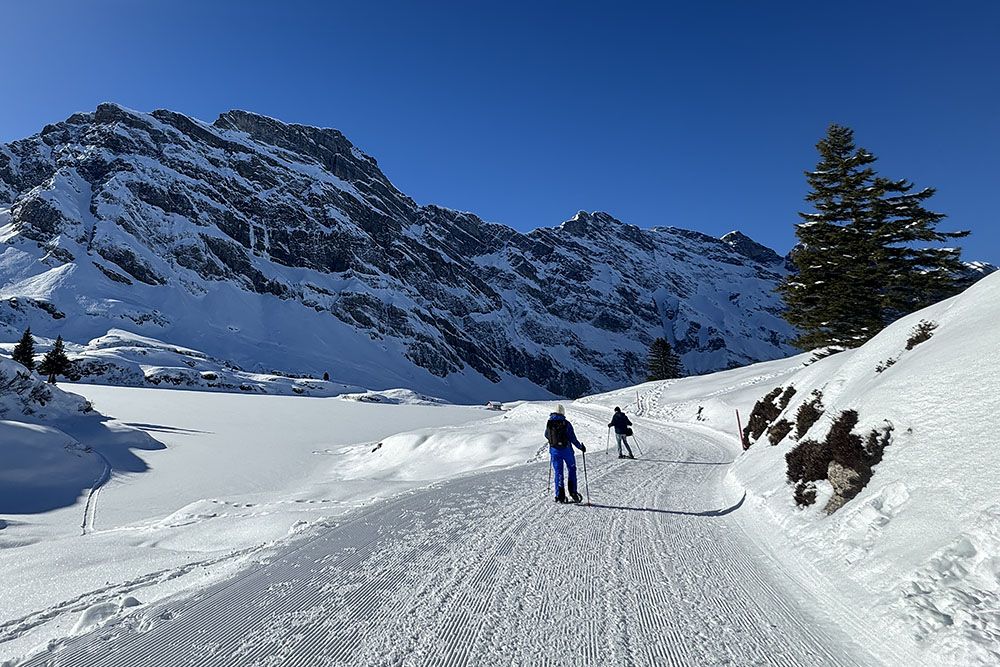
x: 696, y: 114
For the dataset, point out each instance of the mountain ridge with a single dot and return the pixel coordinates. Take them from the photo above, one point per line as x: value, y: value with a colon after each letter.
x: 159, y: 223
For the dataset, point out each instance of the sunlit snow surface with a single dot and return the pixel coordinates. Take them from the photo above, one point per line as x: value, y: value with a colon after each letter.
x: 341, y: 529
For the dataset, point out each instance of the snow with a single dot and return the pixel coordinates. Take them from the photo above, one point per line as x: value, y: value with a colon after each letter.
x: 920, y: 539
x: 203, y: 484
x: 384, y: 527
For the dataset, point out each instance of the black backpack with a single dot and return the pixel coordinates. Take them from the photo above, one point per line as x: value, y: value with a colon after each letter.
x: 556, y: 434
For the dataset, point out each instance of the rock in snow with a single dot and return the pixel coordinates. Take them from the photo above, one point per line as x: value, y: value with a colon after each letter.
x: 275, y: 245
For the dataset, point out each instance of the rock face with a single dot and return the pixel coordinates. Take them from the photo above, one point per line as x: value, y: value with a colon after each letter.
x: 284, y: 246
x: 846, y: 483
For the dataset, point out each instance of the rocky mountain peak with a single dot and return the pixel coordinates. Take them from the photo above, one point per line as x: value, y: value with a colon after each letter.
x: 749, y: 248
x: 284, y: 246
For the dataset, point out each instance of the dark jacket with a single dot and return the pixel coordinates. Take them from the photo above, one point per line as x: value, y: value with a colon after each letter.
x: 570, y: 434
x: 620, y: 422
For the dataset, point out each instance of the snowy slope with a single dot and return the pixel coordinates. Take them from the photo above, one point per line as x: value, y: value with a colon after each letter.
x: 915, y: 551
x: 695, y: 554
x: 921, y: 538
x: 283, y: 247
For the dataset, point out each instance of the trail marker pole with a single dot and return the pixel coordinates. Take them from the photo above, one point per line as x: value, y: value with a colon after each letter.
x: 739, y: 427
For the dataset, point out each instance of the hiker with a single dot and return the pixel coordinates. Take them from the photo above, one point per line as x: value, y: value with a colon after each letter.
x: 559, y: 433
x: 621, y: 425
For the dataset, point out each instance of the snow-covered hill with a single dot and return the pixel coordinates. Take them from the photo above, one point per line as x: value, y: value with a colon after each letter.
x: 910, y: 475
x: 253, y: 489
x: 284, y: 247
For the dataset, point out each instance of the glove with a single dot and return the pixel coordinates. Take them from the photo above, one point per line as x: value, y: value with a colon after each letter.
x: 583, y: 448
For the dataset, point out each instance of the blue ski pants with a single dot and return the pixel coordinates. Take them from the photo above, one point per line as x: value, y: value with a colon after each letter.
x: 560, y: 456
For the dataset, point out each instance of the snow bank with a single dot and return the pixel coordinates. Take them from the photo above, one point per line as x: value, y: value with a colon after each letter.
x: 123, y: 358
x: 42, y: 468
x: 921, y: 538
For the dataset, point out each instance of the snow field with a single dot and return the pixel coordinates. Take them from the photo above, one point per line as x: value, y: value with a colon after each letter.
x: 487, y: 570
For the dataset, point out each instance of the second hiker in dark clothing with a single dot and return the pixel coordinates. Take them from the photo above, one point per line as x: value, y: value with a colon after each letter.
x: 560, y: 435
x: 621, y: 425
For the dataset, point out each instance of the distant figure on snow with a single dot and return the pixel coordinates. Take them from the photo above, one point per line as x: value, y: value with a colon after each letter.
x: 621, y: 425
x: 559, y: 433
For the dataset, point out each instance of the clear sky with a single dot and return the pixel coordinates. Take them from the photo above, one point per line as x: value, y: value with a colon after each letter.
x: 696, y: 114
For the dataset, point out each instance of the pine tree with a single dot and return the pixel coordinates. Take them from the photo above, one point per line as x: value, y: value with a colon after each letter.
x: 664, y: 363
x: 24, y: 351
x: 911, y: 277
x: 55, y: 362
x: 857, y: 265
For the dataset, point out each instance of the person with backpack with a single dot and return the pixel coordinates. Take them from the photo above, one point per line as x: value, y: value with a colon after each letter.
x: 621, y: 425
x: 560, y: 435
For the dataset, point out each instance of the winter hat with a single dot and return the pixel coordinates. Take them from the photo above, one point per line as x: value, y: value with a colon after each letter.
x: 617, y: 409
x: 560, y: 410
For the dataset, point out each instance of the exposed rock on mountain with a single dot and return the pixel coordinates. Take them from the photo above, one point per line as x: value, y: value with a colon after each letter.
x: 282, y: 246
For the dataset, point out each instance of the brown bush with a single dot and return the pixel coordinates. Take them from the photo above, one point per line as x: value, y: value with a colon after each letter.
x: 808, y: 413
x: 779, y: 430
x: 807, y: 461
x: 810, y: 460
x: 805, y: 494
x: 922, y: 332
x: 786, y: 397
x: 764, y: 412
x: 888, y: 363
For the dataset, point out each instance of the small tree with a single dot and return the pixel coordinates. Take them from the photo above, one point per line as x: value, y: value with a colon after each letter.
x: 55, y: 362
x: 24, y: 351
x: 664, y: 363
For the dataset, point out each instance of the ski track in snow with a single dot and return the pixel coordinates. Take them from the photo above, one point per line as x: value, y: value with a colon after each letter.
x: 486, y: 569
x: 90, y: 507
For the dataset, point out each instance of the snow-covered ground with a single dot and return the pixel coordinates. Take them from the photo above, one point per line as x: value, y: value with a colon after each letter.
x: 246, y: 542
x: 222, y: 477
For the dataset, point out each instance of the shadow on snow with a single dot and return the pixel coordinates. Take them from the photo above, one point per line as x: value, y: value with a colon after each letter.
x: 707, y: 513
x: 44, y: 479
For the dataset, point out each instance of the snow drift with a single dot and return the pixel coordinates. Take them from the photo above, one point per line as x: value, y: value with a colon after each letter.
x: 919, y: 543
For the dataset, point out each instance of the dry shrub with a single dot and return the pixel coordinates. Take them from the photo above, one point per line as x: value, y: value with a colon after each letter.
x: 764, y: 412
x: 786, y: 397
x: 891, y: 361
x: 779, y: 430
x: 921, y: 333
x: 810, y: 460
x: 808, y: 413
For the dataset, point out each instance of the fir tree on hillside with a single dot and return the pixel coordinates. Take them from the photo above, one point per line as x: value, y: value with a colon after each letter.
x: 664, y: 364
x: 24, y: 351
x: 859, y: 261
x: 55, y: 362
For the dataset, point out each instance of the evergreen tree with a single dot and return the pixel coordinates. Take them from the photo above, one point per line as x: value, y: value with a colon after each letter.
x: 911, y: 277
x: 24, y: 351
x: 55, y: 362
x: 858, y: 264
x: 664, y: 363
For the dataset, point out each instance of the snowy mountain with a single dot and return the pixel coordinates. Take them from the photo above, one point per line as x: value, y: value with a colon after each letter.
x: 283, y: 247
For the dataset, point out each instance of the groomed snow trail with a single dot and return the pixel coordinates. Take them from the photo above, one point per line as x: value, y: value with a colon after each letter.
x: 487, y: 570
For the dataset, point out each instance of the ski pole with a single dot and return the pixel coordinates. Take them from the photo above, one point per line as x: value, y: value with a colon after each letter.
x: 637, y: 447
x: 586, y: 483
x: 607, y: 444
